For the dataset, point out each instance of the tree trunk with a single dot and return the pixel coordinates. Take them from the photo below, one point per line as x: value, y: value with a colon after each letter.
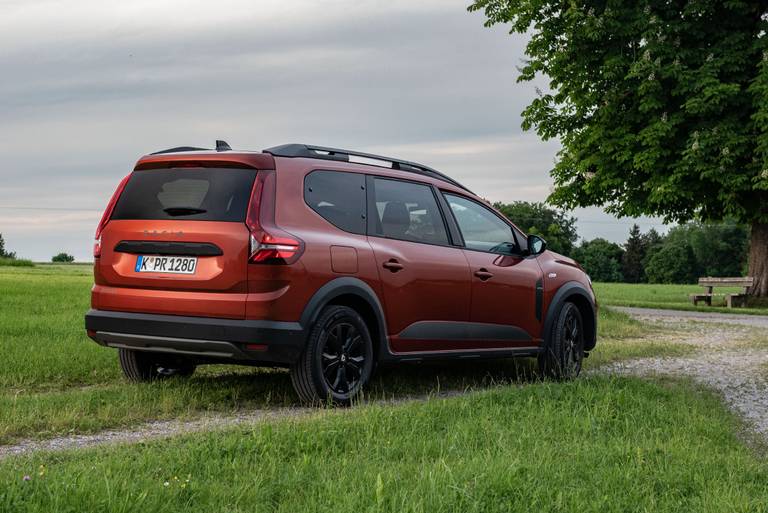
x: 758, y: 259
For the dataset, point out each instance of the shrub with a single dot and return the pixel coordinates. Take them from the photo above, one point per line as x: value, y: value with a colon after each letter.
x: 63, y: 257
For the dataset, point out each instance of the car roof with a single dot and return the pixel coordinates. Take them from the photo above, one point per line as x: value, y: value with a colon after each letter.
x: 225, y: 156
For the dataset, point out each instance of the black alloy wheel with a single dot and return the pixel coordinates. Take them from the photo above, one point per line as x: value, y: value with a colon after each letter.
x: 338, y: 359
x: 563, y: 354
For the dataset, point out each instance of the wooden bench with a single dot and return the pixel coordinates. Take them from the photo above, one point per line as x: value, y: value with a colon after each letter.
x: 731, y: 300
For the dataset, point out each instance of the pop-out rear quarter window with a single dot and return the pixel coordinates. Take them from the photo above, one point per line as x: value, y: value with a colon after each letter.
x: 194, y: 194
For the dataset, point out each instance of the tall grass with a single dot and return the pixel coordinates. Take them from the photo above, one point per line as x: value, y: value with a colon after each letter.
x: 16, y: 262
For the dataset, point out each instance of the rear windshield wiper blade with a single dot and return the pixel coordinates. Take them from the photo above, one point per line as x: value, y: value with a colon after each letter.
x: 184, y: 211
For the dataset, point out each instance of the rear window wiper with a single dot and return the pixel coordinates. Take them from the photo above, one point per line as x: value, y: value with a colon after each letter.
x: 184, y: 211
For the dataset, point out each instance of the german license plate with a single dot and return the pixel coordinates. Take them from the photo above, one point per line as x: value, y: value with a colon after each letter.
x: 166, y: 264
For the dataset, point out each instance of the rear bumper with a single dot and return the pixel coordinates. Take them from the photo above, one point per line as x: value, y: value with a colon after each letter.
x: 247, y: 341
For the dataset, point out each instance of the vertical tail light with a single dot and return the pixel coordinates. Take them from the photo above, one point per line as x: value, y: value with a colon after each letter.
x: 105, y: 217
x: 268, y: 243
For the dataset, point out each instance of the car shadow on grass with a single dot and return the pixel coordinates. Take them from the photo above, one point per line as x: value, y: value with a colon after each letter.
x: 272, y: 387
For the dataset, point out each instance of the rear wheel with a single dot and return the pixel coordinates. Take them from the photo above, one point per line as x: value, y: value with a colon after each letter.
x: 338, y: 359
x: 141, y: 366
x: 563, y: 354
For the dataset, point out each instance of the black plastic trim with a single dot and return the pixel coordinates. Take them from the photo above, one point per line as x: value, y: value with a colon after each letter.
x: 177, y: 333
x: 453, y: 228
x: 337, y: 154
x: 142, y: 247
x: 565, y: 292
x: 539, y: 298
x: 446, y: 330
x: 477, y: 354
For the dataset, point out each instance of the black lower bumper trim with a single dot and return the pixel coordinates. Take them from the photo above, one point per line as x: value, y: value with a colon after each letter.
x: 201, y: 336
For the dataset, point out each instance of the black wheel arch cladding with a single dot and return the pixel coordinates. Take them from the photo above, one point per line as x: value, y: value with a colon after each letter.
x: 577, y: 294
x: 347, y: 286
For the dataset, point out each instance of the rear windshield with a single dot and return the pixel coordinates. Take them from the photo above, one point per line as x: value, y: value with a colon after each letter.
x: 190, y: 193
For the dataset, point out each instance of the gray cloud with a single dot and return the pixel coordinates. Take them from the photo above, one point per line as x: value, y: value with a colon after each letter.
x: 89, y: 86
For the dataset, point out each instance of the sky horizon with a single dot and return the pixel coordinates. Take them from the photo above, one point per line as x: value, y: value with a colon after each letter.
x: 97, y: 84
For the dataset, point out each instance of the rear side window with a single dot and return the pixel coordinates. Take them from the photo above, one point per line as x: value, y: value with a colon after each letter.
x: 407, y: 211
x: 339, y: 197
x: 197, y: 194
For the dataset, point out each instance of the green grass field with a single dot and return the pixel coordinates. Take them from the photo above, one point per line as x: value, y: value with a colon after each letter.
x: 648, y: 295
x: 512, y: 443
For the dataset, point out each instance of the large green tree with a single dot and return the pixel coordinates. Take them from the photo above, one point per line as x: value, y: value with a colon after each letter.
x: 661, y: 106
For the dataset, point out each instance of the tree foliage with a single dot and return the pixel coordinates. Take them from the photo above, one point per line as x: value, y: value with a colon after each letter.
x: 3, y: 252
x: 673, y: 263
x: 661, y: 107
x: 557, y: 228
x: 63, y: 258
x: 601, y: 259
x: 636, y: 253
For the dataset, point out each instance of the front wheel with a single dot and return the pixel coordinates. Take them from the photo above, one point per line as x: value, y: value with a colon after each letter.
x: 564, y: 352
x: 338, y: 359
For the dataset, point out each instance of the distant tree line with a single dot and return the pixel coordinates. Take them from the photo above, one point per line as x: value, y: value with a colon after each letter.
x: 9, y: 257
x: 687, y: 252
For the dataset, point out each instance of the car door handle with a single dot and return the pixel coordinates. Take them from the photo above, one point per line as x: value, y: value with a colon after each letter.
x: 483, y: 274
x: 393, y: 265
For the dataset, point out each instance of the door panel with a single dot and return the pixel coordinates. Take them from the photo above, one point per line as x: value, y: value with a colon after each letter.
x: 505, y: 293
x: 505, y: 284
x: 421, y: 283
x: 423, y: 278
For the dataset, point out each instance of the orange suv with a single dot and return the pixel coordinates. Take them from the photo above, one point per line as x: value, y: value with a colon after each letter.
x: 325, y: 261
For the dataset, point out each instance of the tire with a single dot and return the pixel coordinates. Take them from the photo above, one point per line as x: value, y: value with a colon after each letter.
x: 141, y: 366
x: 564, y: 352
x: 337, y: 361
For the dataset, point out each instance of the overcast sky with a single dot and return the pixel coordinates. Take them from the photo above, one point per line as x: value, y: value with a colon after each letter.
x: 90, y: 85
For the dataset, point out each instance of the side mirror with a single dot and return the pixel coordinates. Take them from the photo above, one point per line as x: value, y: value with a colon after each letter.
x: 536, y: 245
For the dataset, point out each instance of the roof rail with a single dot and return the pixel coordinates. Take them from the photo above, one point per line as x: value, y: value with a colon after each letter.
x: 322, y: 152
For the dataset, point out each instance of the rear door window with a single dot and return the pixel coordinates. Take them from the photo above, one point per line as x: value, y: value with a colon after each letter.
x: 407, y: 211
x: 196, y: 194
x: 339, y: 197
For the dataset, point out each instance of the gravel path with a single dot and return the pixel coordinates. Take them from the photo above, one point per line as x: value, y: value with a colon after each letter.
x: 149, y: 431
x: 654, y: 314
x: 167, y: 428
x: 724, y: 360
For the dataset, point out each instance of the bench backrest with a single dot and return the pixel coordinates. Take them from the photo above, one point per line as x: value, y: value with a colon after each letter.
x: 727, y: 282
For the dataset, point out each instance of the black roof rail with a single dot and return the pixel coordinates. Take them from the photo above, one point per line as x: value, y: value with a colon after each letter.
x: 322, y: 152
